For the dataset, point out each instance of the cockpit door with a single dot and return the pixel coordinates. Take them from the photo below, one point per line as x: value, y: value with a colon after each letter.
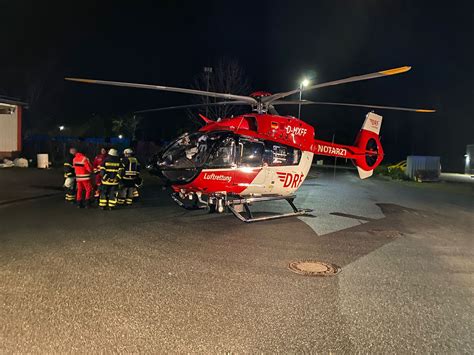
x: 250, y: 172
x: 220, y: 168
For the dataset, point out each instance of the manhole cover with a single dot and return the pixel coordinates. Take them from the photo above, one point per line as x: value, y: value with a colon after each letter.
x: 314, y: 268
x: 386, y: 233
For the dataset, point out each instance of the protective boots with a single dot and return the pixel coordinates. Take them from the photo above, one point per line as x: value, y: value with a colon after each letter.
x: 84, y: 204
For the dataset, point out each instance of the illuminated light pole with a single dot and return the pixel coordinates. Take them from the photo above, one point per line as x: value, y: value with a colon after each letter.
x: 303, y: 84
x: 61, y: 129
x: 120, y: 136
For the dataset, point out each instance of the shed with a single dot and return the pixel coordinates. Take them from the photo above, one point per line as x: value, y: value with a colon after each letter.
x: 423, y: 168
x: 469, y: 159
x: 10, y: 126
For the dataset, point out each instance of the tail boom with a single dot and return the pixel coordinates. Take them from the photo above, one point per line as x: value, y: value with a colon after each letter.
x: 367, y: 152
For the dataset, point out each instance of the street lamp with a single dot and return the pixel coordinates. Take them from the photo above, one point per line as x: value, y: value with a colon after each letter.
x: 208, y: 71
x: 61, y: 128
x: 303, y: 84
x: 120, y: 136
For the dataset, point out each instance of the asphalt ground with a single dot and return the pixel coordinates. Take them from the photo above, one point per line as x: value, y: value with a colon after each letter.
x: 21, y: 184
x: 157, y: 278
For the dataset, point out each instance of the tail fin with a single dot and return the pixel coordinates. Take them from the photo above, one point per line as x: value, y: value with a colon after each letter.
x: 368, y: 141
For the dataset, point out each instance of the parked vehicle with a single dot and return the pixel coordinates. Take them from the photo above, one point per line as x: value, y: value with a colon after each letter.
x: 400, y: 165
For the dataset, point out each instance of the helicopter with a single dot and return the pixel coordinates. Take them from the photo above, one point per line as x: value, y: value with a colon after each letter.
x: 234, y: 162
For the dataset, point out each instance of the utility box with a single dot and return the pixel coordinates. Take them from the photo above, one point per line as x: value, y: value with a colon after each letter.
x: 423, y: 168
x: 43, y: 161
x: 469, y: 159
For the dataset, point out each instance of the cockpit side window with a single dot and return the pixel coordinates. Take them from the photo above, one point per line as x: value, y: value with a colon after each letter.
x: 281, y: 155
x: 251, y: 153
x: 223, y: 155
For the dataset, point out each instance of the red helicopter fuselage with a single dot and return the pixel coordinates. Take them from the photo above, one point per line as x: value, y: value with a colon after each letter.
x: 257, y: 155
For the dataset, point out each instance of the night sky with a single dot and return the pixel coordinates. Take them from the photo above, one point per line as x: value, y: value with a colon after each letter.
x: 276, y: 42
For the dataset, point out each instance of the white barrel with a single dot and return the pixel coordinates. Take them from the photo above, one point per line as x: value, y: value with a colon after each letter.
x: 43, y: 161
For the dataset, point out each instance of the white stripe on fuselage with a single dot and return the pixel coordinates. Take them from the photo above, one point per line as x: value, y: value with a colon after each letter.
x: 269, y: 182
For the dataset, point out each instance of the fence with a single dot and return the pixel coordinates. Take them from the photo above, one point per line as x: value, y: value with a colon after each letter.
x: 57, y: 148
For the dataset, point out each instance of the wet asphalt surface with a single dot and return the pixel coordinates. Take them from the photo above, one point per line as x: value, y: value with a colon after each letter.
x: 156, y: 278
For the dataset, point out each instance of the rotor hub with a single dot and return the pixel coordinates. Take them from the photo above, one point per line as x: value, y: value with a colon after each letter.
x: 259, y: 94
x: 260, y: 107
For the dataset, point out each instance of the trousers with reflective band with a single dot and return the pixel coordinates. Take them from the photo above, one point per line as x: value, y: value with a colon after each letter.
x: 69, y: 197
x: 108, y: 196
x: 126, y: 195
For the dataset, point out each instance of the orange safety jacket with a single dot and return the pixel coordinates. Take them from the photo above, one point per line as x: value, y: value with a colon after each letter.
x: 82, y: 167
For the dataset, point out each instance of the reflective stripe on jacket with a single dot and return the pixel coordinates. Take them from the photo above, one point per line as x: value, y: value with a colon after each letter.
x: 111, y: 170
x: 131, y: 167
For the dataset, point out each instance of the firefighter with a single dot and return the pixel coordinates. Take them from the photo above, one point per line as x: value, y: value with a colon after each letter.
x: 83, y: 169
x: 131, y: 178
x: 69, y: 177
x: 98, y: 160
x: 111, y: 173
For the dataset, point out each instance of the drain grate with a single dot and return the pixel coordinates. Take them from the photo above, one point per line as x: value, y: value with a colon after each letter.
x: 314, y: 268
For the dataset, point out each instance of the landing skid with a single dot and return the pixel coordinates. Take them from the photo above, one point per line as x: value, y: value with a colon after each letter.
x: 231, y: 204
x: 237, y: 205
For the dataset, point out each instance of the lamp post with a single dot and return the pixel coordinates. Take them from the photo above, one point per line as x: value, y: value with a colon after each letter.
x: 208, y: 71
x: 303, y: 84
x: 61, y: 129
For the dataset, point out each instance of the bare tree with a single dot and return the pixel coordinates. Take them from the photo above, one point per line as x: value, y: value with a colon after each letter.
x: 126, y: 125
x: 226, y: 77
x: 42, y: 85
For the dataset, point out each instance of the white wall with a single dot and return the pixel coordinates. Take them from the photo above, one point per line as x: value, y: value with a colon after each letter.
x: 9, y: 132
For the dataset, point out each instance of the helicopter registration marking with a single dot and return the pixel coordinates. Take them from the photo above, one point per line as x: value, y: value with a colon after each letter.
x: 297, y: 131
x: 217, y: 177
x: 332, y: 150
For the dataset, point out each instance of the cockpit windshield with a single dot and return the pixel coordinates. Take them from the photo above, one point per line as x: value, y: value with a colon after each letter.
x: 188, y: 151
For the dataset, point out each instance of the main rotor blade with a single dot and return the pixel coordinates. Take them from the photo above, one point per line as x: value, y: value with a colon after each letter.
x: 306, y: 102
x: 222, y: 103
x: 247, y: 99
x: 274, y: 97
